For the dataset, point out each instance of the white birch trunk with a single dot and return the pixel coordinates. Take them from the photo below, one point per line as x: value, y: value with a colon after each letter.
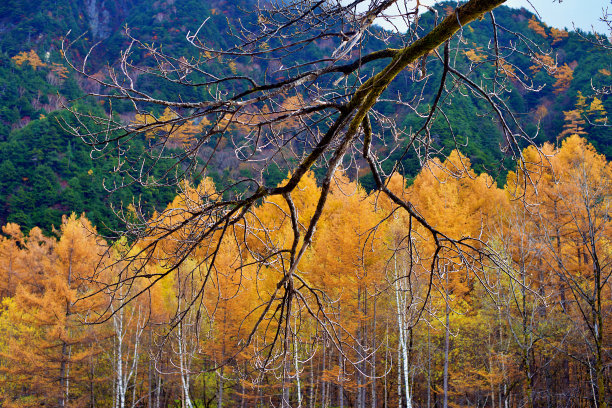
x: 402, y: 324
x: 183, y: 367
x: 126, y: 370
x: 297, y: 368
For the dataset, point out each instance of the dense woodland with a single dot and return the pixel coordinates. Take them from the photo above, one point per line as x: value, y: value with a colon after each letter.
x: 531, y: 328
x: 500, y: 298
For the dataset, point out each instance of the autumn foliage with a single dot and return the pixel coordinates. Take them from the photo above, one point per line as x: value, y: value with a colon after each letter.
x: 536, y: 26
x: 31, y: 58
x: 396, y: 320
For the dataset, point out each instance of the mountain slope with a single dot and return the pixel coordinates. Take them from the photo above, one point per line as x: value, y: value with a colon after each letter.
x: 45, y: 171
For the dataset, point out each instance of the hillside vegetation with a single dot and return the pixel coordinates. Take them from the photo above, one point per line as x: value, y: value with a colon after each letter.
x: 46, y: 172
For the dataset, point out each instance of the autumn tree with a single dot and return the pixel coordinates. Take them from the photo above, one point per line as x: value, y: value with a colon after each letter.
x: 461, y: 204
x: 326, y: 113
x: 126, y: 330
x: 31, y: 58
x: 570, y: 210
x: 10, y: 257
x: 564, y: 76
x: 536, y: 26
x: 47, y: 347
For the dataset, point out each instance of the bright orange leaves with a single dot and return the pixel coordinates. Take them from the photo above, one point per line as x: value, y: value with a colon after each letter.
x: 29, y: 57
x: 536, y: 26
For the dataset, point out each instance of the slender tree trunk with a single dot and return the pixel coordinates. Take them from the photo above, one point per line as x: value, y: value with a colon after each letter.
x: 386, y: 390
x: 491, y: 376
x: 151, y: 378
x: 64, y: 383
x: 119, y: 356
x: 297, y: 368
x: 598, y: 328
x: 403, y: 349
x: 158, y: 390
x: 399, y: 376
x: 363, y: 351
x: 286, y: 384
x: 135, y: 360
x: 242, y: 394
x: 428, y: 367
x: 323, y: 382
x: 220, y: 373
x: 328, y: 389
x: 526, y: 337
x: 63, y: 376
x: 340, y: 381
x: 446, y: 346
x: 220, y: 391
x: 184, y: 359
x: 373, y: 344
x: 312, y: 384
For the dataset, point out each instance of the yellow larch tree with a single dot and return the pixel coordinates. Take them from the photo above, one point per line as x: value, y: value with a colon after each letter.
x: 48, y: 348
x: 564, y: 76
x: 458, y: 203
x: 10, y: 255
x: 536, y: 26
x: 568, y: 203
x: 31, y: 58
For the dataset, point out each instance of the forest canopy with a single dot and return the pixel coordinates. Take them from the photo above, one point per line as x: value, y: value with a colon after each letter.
x: 390, y: 331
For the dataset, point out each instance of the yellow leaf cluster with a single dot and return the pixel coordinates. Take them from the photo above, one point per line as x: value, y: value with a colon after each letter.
x: 474, y: 56
x: 564, y: 76
x: 60, y: 70
x: 574, y: 119
x: 507, y: 68
x: 30, y: 57
x: 543, y: 61
x: 537, y: 27
x: 597, y: 109
x: 169, y: 125
x: 558, y: 35
x: 605, y: 72
x: 233, y: 68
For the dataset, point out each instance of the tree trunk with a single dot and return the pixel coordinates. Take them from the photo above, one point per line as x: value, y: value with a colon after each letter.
x: 373, y: 344
x: 64, y: 383
x: 446, y: 346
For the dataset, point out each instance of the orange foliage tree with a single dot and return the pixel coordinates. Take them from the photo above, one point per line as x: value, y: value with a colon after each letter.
x: 536, y: 26
x: 567, y: 207
x: 31, y: 58
x: 47, y: 349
